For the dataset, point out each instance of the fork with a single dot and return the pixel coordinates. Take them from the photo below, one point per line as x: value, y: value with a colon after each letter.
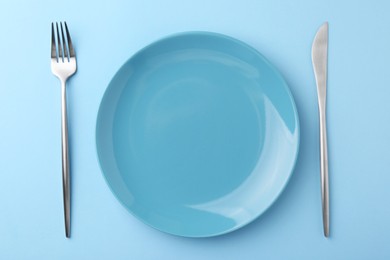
x: 63, y: 65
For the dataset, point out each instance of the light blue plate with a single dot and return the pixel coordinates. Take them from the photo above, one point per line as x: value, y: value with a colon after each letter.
x: 197, y: 134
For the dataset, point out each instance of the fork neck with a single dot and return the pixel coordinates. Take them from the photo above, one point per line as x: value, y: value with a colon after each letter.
x: 63, y: 84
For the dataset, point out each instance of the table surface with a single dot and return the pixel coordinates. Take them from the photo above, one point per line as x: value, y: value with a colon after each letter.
x: 106, y: 34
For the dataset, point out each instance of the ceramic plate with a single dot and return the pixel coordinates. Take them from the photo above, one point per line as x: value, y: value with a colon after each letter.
x: 197, y: 134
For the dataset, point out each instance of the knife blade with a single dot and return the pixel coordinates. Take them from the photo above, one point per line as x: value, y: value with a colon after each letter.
x: 320, y: 66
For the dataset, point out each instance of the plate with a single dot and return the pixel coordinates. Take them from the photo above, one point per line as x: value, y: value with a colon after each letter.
x: 197, y: 134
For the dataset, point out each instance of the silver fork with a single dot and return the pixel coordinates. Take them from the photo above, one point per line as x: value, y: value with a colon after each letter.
x: 63, y: 65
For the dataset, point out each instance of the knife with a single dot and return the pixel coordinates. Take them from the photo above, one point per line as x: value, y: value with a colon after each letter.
x: 320, y: 65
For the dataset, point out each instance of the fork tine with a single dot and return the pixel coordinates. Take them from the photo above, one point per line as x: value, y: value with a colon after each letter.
x: 70, y: 45
x: 64, y: 43
x: 53, y: 43
x: 59, y: 45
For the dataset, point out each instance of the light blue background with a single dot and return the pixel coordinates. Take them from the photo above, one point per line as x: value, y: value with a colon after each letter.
x: 106, y: 34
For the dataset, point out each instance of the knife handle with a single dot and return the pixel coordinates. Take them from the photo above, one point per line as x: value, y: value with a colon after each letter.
x: 324, y: 171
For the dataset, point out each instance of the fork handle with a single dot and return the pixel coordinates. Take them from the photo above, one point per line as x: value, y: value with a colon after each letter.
x: 324, y: 171
x: 65, y: 159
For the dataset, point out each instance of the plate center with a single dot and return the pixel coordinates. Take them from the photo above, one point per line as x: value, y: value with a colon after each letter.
x: 200, y: 137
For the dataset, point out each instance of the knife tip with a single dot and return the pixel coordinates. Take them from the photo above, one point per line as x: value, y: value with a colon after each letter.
x: 324, y: 26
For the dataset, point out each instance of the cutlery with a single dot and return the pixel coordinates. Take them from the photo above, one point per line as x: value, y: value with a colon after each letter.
x: 63, y: 65
x: 320, y: 64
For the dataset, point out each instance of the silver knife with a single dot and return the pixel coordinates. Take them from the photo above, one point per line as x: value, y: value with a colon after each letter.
x: 320, y: 65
